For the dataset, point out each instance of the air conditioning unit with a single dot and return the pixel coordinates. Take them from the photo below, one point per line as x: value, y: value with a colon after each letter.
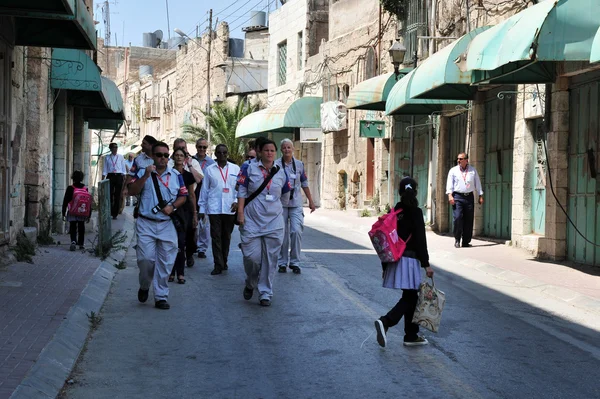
x: 232, y: 89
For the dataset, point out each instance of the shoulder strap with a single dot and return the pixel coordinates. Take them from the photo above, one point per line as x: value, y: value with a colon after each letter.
x: 255, y: 194
x: 157, y: 189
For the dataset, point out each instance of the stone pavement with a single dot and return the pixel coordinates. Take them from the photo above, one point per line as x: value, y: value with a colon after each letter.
x: 577, y: 285
x: 43, y: 322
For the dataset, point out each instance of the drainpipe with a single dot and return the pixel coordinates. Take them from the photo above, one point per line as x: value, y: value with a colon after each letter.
x: 432, y: 25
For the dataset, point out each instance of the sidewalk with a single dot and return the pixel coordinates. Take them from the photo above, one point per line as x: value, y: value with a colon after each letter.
x: 46, y: 302
x: 577, y: 285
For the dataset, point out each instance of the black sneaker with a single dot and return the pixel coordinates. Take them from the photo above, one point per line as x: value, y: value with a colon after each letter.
x: 467, y: 245
x: 143, y: 295
x: 73, y: 246
x: 265, y: 302
x: 190, y: 261
x: 164, y: 305
x: 282, y: 269
x: 419, y: 341
x: 381, y: 330
x: 295, y: 269
x: 201, y: 255
x: 215, y: 272
x: 248, y: 293
x: 456, y: 244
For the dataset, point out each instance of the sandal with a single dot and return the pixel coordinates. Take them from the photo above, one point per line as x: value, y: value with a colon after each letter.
x: 180, y: 281
x: 171, y: 279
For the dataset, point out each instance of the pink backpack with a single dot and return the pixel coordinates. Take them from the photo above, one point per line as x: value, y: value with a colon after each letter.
x: 383, y: 235
x: 81, y: 204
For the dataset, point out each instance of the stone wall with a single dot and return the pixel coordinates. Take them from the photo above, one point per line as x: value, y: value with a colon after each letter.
x: 256, y: 44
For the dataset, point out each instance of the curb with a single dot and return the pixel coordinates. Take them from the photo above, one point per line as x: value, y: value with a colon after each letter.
x: 56, y: 361
x: 573, y: 298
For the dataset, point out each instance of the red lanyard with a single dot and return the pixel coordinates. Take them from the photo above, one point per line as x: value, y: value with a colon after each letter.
x: 224, y: 176
x: 114, y: 163
x: 464, y: 174
x: 203, y: 163
x: 163, y: 183
x: 265, y: 175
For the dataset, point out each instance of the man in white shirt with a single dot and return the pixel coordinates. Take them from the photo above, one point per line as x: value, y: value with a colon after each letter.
x: 218, y: 199
x: 115, y: 170
x: 204, y: 225
x: 463, y: 181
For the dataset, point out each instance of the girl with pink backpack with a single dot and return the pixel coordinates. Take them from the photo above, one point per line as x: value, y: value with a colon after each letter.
x: 77, y: 208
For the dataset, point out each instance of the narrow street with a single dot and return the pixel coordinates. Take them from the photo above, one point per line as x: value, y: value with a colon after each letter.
x: 498, y: 339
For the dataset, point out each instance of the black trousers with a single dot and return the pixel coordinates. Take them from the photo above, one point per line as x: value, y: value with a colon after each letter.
x: 77, y: 232
x: 221, y: 227
x: 405, y: 307
x: 190, y: 239
x: 116, y: 187
x: 179, y: 266
x: 463, y: 211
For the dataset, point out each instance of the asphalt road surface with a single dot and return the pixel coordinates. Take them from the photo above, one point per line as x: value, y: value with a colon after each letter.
x: 317, y: 339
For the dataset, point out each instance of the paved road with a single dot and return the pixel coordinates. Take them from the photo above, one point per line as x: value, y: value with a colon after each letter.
x: 498, y: 339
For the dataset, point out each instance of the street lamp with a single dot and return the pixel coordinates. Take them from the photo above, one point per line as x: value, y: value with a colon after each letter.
x: 183, y: 34
x: 397, y: 53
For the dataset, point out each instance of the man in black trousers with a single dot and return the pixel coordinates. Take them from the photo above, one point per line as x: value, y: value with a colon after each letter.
x: 115, y: 170
x: 462, y: 186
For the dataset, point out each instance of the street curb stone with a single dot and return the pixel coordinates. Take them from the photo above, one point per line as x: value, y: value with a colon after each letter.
x: 56, y: 361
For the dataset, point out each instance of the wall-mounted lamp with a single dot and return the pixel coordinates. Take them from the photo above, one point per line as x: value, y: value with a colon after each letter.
x: 397, y: 52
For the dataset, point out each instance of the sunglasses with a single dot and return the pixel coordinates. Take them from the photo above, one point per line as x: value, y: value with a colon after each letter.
x: 204, y: 147
x: 460, y: 159
x: 250, y: 157
x: 161, y: 154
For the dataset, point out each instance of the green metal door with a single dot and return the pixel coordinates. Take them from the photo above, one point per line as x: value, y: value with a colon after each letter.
x: 538, y: 180
x: 421, y: 154
x: 458, y: 139
x: 497, y: 185
x: 583, y: 196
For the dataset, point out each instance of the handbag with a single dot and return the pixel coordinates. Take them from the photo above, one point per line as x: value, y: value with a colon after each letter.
x: 255, y: 194
x: 176, y: 218
x: 428, y: 313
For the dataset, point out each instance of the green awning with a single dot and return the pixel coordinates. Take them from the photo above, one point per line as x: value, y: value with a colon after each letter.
x: 440, y: 76
x: 401, y: 101
x: 371, y: 94
x: 304, y: 112
x: 525, y: 48
x: 595, y: 54
x: 52, y: 23
x: 75, y: 72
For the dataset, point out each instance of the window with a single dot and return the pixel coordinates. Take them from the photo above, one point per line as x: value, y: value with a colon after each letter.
x: 415, y: 24
x: 282, y: 62
x: 300, y: 50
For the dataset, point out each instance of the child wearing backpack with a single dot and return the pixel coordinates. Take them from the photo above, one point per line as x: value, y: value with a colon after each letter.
x: 78, y: 203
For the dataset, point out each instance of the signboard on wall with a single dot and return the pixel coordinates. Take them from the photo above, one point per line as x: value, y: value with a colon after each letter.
x: 311, y: 135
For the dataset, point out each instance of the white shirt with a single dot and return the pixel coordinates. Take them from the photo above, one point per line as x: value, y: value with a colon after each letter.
x: 218, y: 189
x: 114, y: 164
x: 466, y: 181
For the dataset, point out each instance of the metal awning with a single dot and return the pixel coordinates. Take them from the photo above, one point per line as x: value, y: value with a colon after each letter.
x: 525, y: 48
x: 304, y: 112
x: 76, y: 72
x: 595, y: 54
x: 371, y: 94
x: 401, y: 101
x: 51, y: 23
x: 443, y: 76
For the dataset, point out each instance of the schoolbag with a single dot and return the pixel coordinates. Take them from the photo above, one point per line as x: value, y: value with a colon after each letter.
x: 81, y: 204
x: 384, y: 237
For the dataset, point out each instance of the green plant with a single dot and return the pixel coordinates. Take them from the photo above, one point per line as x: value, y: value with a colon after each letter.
x: 387, y: 208
x: 45, y: 236
x: 25, y: 249
x: 365, y: 213
x: 395, y: 7
x: 223, y: 120
x: 114, y: 243
x: 94, y: 319
x: 121, y: 265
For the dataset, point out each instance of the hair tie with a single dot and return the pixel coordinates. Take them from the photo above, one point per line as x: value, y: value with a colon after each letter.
x: 408, y: 186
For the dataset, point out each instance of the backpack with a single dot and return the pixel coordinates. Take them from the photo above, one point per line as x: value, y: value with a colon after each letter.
x: 81, y: 204
x: 384, y: 237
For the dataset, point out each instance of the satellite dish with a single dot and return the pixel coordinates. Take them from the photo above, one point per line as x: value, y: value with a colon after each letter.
x: 159, y: 34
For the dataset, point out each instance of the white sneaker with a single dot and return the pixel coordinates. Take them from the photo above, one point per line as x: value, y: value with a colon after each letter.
x: 381, y: 337
x: 420, y: 341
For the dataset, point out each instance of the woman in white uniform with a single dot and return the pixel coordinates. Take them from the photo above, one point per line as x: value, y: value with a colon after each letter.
x: 261, y: 221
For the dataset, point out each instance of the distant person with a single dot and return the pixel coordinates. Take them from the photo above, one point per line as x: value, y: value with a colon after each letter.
x: 128, y: 164
x: 115, y: 170
x: 463, y: 182
x: 77, y: 209
x: 293, y: 213
x: 203, y: 223
x: 218, y: 199
x: 261, y: 221
x: 406, y: 273
x: 250, y: 155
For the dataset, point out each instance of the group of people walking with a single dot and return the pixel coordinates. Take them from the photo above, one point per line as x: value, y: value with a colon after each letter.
x: 186, y: 202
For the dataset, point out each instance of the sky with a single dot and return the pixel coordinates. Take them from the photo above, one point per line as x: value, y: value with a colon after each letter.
x: 129, y: 19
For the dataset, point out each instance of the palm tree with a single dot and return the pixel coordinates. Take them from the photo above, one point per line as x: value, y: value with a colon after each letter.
x: 223, y: 121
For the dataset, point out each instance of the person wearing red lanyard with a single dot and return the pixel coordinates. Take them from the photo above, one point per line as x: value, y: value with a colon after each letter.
x: 218, y: 200
x: 205, y: 161
x: 115, y: 170
x: 463, y: 181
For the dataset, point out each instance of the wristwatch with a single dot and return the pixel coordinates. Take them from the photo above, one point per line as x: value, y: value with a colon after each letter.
x: 174, y: 209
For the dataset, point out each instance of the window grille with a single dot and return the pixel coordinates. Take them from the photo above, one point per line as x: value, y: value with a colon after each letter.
x: 541, y: 164
x: 282, y: 61
x: 300, y: 52
x: 414, y: 25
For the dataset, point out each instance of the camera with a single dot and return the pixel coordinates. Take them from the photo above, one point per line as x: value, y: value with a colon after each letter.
x: 156, y: 209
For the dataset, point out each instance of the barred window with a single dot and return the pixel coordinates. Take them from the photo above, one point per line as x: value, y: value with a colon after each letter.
x: 282, y: 62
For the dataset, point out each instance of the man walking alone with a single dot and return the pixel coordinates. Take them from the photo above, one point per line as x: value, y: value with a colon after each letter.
x: 463, y: 182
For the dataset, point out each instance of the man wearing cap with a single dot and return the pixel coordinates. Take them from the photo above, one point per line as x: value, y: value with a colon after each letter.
x: 462, y: 186
x: 115, y: 170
